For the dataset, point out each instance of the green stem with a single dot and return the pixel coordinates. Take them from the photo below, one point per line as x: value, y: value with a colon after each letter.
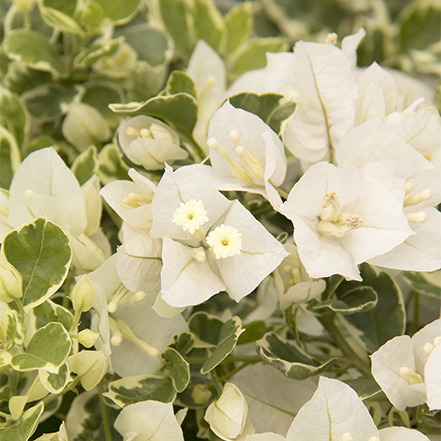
x: 327, y: 321
x: 216, y: 382
x: 416, y: 312
x: 67, y: 285
x: 199, y: 152
x: 20, y: 307
x: 233, y: 372
x: 104, y: 414
x: 53, y: 397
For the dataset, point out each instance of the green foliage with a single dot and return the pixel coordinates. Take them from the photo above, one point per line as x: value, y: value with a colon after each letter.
x: 47, y: 349
x: 289, y: 359
x: 41, y: 253
x: 130, y: 390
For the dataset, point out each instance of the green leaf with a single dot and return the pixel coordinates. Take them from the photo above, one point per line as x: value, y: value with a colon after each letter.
x: 33, y: 49
x: 183, y: 343
x: 206, y: 328
x: 119, y: 11
x: 40, y: 251
x: 85, y: 164
x: 47, y: 349
x: 288, y: 358
x: 150, y: 44
x: 98, y: 48
x: 20, y: 77
x: 179, y: 81
x: 45, y: 102
x: 238, y: 24
x: 228, y: 337
x: 111, y: 165
x: 92, y: 16
x: 9, y: 157
x: 51, y: 312
x: 13, y: 114
x: 208, y: 23
x: 252, y: 55
x: 55, y: 383
x: 179, y: 368
x: 91, y: 366
x: 253, y: 331
x: 360, y: 299
x: 177, y: 19
x: 100, y: 94
x: 23, y: 429
x: 130, y: 390
x: 388, y: 319
x: 365, y: 387
x: 14, y: 327
x: 421, y: 285
x: 420, y: 25
x: 269, y: 107
x: 179, y: 110
x: 57, y: 19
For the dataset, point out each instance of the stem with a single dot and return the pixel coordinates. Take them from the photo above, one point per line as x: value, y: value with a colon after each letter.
x: 416, y: 312
x: 104, y: 414
x: 199, y: 152
x: 53, y: 397
x: 19, y: 306
x: 328, y: 322
x: 67, y: 284
x: 233, y: 372
x: 216, y: 382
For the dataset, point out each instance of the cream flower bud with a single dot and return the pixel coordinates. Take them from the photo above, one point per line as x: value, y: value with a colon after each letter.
x: 227, y: 416
x: 10, y: 282
x: 87, y: 337
x: 83, y: 295
x: 200, y: 394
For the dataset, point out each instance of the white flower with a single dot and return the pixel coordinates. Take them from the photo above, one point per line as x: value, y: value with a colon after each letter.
x: 325, y: 109
x: 243, y: 252
x: 342, y: 219
x: 131, y: 332
x: 190, y: 215
x: 149, y: 420
x: 149, y: 142
x: 407, y: 369
x: 335, y: 412
x: 43, y: 186
x: 206, y: 68
x: 246, y: 154
x: 225, y: 241
x: 227, y: 416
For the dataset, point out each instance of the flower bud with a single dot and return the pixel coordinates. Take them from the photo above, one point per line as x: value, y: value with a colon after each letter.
x: 200, y: 394
x: 10, y: 282
x: 227, y: 416
x: 88, y: 338
x: 83, y: 295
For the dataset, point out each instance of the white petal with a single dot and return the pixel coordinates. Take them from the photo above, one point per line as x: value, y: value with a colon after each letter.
x: 325, y: 106
x: 261, y: 254
x: 45, y: 173
x: 184, y: 281
x: 420, y: 338
x: 433, y: 379
x: 334, y: 410
x: 138, y: 261
x: 274, y: 399
x: 161, y: 424
x: 386, y: 364
x: 401, y: 434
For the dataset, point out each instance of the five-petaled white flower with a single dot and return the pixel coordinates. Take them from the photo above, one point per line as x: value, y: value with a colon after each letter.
x: 225, y: 241
x: 190, y: 215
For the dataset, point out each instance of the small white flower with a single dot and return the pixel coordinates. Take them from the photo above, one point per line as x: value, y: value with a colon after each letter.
x: 225, y: 241
x: 190, y: 215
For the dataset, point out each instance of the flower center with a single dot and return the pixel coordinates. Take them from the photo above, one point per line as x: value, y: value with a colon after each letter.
x: 225, y: 241
x: 333, y: 222
x: 410, y: 375
x: 190, y: 215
